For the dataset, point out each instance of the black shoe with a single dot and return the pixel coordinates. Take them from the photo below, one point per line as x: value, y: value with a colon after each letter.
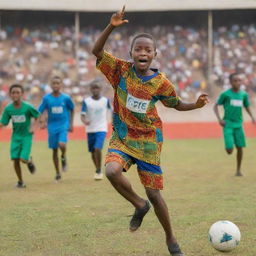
x: 58, y: 177
x: 64, y: 164
x: 138, y: 216
x: 31, y: 166
x: 21, y: 184
x: 175, y: 250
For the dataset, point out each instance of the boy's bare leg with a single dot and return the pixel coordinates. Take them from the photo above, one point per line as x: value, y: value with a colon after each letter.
x: 239, y: 157
x: 122, y: 185
x: 162, y: 213
x: 17, y: 168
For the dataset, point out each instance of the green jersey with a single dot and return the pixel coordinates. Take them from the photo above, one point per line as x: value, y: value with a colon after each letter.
x: 233, y: 103
x: 21, y: 118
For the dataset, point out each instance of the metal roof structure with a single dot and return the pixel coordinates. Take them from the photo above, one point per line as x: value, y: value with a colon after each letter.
x: 131, y: 5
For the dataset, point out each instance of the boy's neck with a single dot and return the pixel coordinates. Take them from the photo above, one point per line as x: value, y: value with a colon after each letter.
x: 147, y: 72
x: 17, y: 104
x: 56, y: 94
x: 96, y: 97
x: 235, y: 89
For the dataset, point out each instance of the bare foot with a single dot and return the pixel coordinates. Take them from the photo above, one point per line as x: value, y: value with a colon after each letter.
x: 239, y: 174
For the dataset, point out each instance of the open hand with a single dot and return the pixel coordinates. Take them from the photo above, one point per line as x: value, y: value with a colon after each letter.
x: 42, y: 124
x: 71, y: 128
x: 202, y: 100
x: 222, y: 123
x: 117, y: 18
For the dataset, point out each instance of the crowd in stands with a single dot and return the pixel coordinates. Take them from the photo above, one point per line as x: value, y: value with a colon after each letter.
x: 31, y: 56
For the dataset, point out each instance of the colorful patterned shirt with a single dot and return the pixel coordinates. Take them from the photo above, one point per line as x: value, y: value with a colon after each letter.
x: 137, y: 128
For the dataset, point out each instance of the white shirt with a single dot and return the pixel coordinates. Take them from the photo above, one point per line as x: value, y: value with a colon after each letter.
x: 96, y: 112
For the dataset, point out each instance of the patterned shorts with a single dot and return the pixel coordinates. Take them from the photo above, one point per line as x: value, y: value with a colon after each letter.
x: 151, y: 176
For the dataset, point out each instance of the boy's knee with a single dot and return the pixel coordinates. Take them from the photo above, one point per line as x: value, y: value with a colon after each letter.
x: 113, y: 170
x: 62, y: 145
x: 153, y: 195
x: 229, y: 150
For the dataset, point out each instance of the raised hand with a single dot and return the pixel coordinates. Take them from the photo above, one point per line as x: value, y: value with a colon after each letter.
x: 202, y: 100
x: 117, y: 18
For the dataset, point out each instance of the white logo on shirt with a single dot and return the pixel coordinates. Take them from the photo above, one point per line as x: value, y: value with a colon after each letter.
x: 236, y: 103
x: 57, y: 110
x: 136, y: 105
x: 18, y: 118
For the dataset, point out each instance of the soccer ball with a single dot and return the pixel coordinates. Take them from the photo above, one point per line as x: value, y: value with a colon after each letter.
x: 224, y: 235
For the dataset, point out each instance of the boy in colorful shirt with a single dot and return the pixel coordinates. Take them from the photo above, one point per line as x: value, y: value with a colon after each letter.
x: 21, y: 113
x: 137, y: 129
x: 233, y: 100
x: 60, y: 110
x: 94, y: 117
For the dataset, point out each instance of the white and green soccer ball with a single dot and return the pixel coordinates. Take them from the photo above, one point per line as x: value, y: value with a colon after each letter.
x: 224, y: 235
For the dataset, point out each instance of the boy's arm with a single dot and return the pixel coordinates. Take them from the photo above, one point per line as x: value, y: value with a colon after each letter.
x: 250, y: 114
x: 34, y: 125
x: 217, y: 113
x: 84, y: 119
x: 5, y: 119
x: 72, y: 113
x: 201, y: 101
x: 115, y: 21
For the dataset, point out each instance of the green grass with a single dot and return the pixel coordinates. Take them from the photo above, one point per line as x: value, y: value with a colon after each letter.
x: 81, y: 217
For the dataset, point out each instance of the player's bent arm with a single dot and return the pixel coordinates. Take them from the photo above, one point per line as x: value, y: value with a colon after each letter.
x: 250, y: 114
x: 72, y: 114
x: 201, y: 101
x: 84, y: 119
x: 99, y: 45
x: 115, y: 21
x: 182, y: 106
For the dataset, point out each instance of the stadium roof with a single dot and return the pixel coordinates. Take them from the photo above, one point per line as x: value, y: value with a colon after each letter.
x: 131, y: 5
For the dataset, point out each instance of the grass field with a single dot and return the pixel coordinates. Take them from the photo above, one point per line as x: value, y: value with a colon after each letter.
x: 81, y: 217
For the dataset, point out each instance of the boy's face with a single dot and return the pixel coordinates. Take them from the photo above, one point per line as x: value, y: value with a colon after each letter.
x: 143, y: 52
x: 236, y: 82
x: 16, y: 94
x: 56, y: 84
x: 95, y: 90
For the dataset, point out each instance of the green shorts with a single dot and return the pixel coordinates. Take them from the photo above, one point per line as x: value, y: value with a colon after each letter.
x: 234, y: 136
x: 21, y: 148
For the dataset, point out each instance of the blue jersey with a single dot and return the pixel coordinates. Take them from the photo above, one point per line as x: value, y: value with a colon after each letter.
x: 58, y: 109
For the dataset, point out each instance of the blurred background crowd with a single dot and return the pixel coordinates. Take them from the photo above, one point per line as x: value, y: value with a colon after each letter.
x: 31, y: 54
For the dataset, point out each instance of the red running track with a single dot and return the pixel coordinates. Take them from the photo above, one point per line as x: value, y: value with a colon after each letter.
x: 171, y: 131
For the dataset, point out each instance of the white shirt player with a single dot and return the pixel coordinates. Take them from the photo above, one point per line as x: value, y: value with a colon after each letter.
x: 96, y: 113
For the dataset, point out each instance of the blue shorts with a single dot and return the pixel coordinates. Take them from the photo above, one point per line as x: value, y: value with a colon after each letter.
x: 151, y: 175
x: 95, y: 140
x: 55, y: 138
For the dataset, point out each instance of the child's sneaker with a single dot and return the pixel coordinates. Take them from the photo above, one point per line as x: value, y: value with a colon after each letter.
x: 57, y: 177
x: 175, y: 250
x: 98, y: 176
x: 31, y: 166
x: 64, y: 164
x: 138, y: 216
x: 20, y: 184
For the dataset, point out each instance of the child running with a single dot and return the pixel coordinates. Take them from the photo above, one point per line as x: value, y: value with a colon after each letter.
x: 233, y: 100
x: 21, y: 113
x: 94, y: 116
x: 137, y: 129
x: 60, y: 110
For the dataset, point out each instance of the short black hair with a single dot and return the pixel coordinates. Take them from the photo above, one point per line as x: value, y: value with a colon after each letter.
x: 95, y: 82
x: 56, y: 77
x: 16, y: 86
x: 231, y: 76
x: 146, y: 35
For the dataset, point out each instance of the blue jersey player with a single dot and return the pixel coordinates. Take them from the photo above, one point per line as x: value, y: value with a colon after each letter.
x: 60, y: 110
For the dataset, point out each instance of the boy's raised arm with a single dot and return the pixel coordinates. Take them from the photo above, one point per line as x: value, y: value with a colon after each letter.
x: 115, y: 21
